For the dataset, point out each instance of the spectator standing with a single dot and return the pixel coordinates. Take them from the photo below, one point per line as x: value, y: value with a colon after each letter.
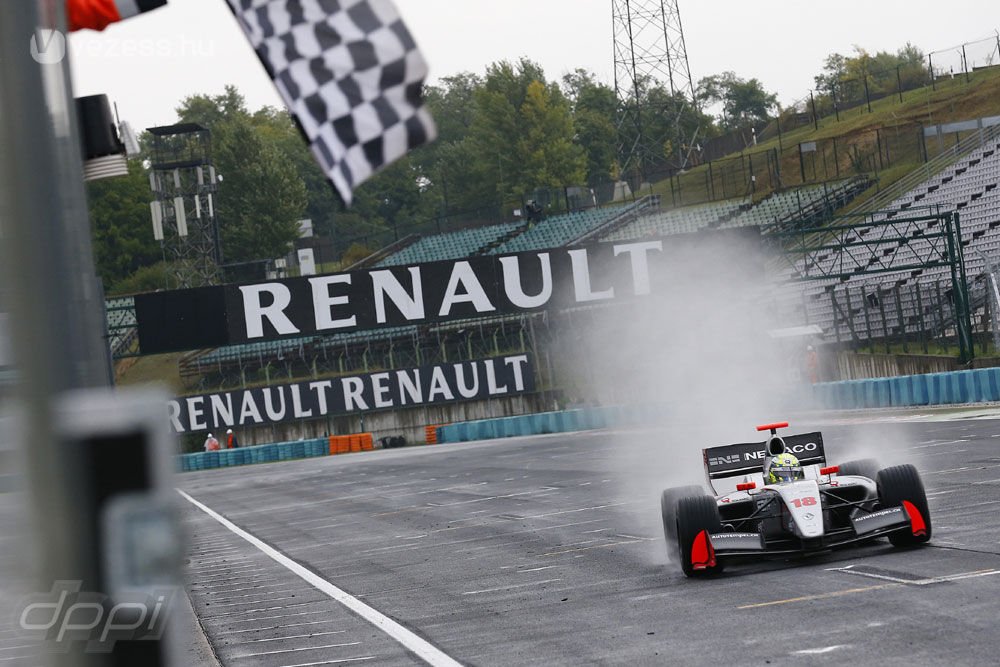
x: 211, y: 444
x: 811, y: 365
x: 231, y: 440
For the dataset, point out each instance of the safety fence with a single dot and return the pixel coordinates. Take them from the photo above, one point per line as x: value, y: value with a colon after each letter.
x: 755, y: 172
x: 278, y: 451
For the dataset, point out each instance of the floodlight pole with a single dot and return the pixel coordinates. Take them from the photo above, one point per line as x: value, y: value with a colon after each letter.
x: 47, y: 265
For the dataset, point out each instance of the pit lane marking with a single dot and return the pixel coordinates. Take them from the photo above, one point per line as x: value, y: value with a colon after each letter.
x: 296, y: 650
x: 916, y: 582
x: 596, y: 546
x: 817, y: 651
x: 274, y: 627
x: 507, y: 588
x: 278, y: 639
x: 411, y: 641
x: 332, y: 662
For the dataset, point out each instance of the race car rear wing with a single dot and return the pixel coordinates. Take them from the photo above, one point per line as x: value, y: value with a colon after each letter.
x: 748, y: 457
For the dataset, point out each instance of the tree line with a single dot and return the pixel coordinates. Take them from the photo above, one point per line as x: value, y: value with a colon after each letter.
x: 506, y: 135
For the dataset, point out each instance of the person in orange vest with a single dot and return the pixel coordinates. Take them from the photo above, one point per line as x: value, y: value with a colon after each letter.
x: 812, y: 365
x: 231, y: 441
x: 99, y: 14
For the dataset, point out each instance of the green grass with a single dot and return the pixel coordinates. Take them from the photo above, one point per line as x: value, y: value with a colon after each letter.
x: 156, y: 368
x: 935, y: 348
x: 953, y: 100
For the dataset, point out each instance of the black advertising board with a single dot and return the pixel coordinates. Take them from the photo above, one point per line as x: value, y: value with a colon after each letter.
x: 369, y: 299
x: 392, y: 389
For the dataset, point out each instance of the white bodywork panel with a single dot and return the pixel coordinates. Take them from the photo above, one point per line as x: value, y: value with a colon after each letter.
x: 803, y: 503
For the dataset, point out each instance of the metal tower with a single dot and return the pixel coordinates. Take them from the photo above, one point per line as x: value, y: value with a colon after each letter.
x: 184, y: 185
x: 650, y: 50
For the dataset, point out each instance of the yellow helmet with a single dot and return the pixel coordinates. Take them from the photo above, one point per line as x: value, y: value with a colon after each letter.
x: 784, y: 468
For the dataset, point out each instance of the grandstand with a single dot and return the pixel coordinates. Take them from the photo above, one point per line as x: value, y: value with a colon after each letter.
x: 357, y: 351
x: 796, y: 203
x: 510, y: 237
x: 774, y: 209
x: 911, y: 300
x: 564, y: 229
x: 677, y: 221
x: 450, y: 245
x: 121, y: 324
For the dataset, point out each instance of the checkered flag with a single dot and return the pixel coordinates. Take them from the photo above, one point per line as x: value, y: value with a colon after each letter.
x: 350, y: 73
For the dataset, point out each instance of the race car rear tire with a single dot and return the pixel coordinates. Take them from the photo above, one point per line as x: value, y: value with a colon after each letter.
x: 696, y: 514
x: 896, y: 485
x: 668, y: 510
x: 862, y: 467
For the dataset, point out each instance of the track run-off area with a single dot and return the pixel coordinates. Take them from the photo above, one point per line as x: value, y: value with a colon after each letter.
x: 549, y: 550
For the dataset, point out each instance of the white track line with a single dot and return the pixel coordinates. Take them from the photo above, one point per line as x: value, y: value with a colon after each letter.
x: 421, y: 647
x: 820, y: 651
x: 916, y: 582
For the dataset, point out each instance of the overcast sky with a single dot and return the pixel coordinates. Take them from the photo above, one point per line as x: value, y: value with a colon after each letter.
x: 149, y: 63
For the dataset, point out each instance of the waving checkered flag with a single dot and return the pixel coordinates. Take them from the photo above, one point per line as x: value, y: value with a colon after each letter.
x: 350, y: 73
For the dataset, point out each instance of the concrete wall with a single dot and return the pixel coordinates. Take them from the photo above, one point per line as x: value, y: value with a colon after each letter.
x: 856, y: 366
x: 859, y: 366
x: 408, y: 423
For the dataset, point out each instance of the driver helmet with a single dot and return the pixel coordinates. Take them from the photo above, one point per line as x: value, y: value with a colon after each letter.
x: 784, y: 468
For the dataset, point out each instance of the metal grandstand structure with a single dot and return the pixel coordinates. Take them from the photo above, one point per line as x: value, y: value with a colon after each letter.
x: 649, y: 47
x: 363, y: 351
x: 184, y: 184
x: 892, y: 250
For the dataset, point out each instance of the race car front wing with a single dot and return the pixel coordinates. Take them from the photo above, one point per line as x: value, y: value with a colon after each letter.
x: 863, y: 527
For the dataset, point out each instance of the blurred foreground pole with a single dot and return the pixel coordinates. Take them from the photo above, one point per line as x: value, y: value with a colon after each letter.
x: 48, y: 272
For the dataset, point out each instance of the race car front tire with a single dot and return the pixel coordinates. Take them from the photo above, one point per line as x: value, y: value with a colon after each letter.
x: 697, y: 518
x: 668, y: 510
x: 901, y: 485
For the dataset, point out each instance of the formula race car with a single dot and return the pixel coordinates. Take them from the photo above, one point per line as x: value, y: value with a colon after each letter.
x: 779, y: 498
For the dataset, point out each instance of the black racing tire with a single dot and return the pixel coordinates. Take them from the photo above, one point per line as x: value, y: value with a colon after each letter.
x: 897, y: 484
x: 694, y: 515
x: 863, y: 467
x: 668, y: 510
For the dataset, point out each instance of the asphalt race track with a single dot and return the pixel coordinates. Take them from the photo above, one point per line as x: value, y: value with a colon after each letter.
x: 549, y: 550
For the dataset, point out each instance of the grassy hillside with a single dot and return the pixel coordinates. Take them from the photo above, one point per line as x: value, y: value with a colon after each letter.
x: 952, y: 100
x: 157, y: 368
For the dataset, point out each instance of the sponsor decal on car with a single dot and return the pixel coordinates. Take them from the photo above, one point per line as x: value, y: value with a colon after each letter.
x: 760, y: 454
x: 875, y: 515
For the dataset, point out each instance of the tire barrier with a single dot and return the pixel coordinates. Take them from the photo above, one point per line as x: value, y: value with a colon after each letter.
x: 981, y: 385
x: 279, y: 451
x: 355, y: 442
x: 563, y: 421
x: 430, y: 433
